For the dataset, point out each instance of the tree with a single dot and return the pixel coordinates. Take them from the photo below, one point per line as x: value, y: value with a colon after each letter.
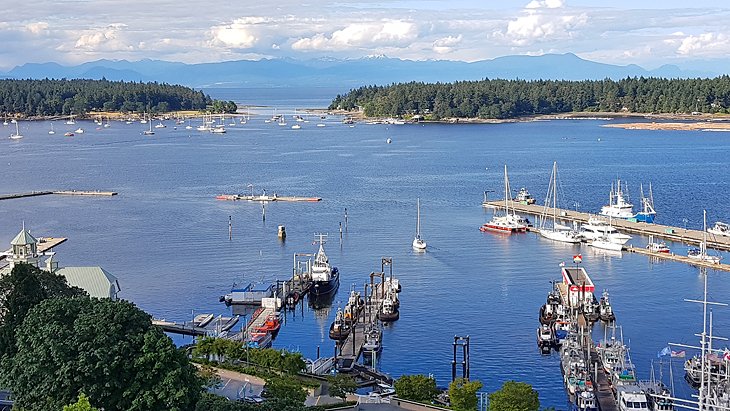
x: 514, y: 396
x: 416, y: 388
x: 82, y: 404
x: 24, y: 288
x: 340, y: 385
x: 108, y: 349
x: 463, y: 394
x: 285, y: 388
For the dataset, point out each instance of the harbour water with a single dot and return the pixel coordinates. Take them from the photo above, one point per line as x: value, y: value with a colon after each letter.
x: 165, y: 236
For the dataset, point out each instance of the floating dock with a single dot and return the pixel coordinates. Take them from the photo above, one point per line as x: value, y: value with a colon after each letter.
x: 678, y: 258
x: 266, y: 198
x: 61, y: 192
x: 665, y: 232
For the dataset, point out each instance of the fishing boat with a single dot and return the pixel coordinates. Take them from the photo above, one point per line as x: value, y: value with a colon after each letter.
x: 585, y: 400
x: 618, y: 204
x: 506, y: 223
x: 720, y: 228
x: 373, y: 339
x: 556, y: 232
x: 605, y: 311
x: 700, y: 254
x: 545, y: 336
x: 388, y: 311
x: 418, y: 243
x: 647, y: 213
x: 325, y: 278
x: 524, y: 197
x: 660, y: 247
x: 339, y: 329
x: 16, y: 135
x: 596, y: 228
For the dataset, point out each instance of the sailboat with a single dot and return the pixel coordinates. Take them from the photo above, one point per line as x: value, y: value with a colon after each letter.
x: 557, y: 232
x: 51, y: 131
x: 71, y: 121
x: 418, y: 243
x: 507, y: 223
x: 16, y: 135
x: 147, y: 132
x: 700, y: 254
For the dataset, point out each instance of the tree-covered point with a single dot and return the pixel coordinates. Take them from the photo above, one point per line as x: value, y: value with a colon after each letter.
x: 514, y: 98
x: 64, y: 97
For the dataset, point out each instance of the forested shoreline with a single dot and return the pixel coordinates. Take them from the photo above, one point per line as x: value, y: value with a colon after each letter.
x: 503, y: 99
x: 42, y: 98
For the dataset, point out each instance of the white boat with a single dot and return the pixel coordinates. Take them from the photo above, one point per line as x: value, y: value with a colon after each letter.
x: 148, y: 132
x: 321, y: 125
x: 523, y: 196
x: 720, y: 228
x: 296, y: 127
x: 507, y: 223
x: 700, y: 254
x: 71, y: 121
x: 605, y: 243
x: 557, y: 232
x: 16, y: 135
x: 79, y: 131
x: 218, y: 130
x: 418, y: 243
x: 596, y: 228
x: 160, y: 125
x: 618, y: 204
x: 51, y: 131
x: 654, y: 247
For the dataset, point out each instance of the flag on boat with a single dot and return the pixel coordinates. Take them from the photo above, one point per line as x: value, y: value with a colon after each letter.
x: 664, y: 351
x: 679, y: 354
x: 562, y: 264
x: 578, y: 259
x: 727, y: 355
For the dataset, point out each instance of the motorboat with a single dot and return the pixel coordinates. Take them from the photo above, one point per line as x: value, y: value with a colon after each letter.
x: 596, y: 228
x: 545, y: 336
x: 79, y: 131
x: 618, y: 204
x: 388, y: 309
x: 660, y: 247
x: 605, y: 243
x: 373, y: 339
x: 556, y: 232
x: 524, y: 197
x: 339, y: 329
x: 271, y: 324
x: 160, y: 125
x: 325, y: 278
x: 720, y: 228
x: 418, y: 242
x: 508, y: 222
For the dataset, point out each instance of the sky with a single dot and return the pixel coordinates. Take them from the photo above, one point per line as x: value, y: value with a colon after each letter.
x: 648, y: 33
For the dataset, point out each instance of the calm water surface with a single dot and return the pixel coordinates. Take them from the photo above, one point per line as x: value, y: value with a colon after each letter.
x: 166, y: 236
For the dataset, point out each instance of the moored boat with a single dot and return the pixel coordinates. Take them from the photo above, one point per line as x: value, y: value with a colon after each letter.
x: 506, y: 223
x: 700, y: 254
x: 325, y: 278
x: 618, y: 204
x: 720, y: 228
x: 660, y: 247
x: 524, y: 197
x: 605, y: 244
x: 556, y: 231
x: 596, y: 228
x: 339, y: 329
x: 605, y: 311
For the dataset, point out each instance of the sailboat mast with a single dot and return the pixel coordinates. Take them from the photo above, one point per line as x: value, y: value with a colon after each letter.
x: 555, y: 192
x: 418, y: 217
x: 506, y: 190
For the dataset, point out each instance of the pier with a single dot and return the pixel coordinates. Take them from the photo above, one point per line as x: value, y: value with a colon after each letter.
x: 61, y: 192
x: 267, y: 198
x: 678, y: 258
x: 669, y: 233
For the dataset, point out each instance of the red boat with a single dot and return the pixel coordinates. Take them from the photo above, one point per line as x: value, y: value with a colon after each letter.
x: 271, y: 325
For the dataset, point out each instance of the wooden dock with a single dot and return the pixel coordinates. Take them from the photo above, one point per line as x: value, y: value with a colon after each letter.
x: 267, y: 198
x: 60, y: 192
x: 665, y: 232
x: 678, y: 258
x: 351, y: 347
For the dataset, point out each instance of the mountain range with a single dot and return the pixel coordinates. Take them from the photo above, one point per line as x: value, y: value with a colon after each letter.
x: 378, y: 70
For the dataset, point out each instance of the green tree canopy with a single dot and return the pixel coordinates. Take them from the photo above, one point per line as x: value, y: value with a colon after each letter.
x: 107, y: 349
x: 82, y: 404
x: 24, y: 288
x: 340, y: 385
x: 514, y: 396
x: 463, y: 394
x: 416, y: 388
x: 285, y: 388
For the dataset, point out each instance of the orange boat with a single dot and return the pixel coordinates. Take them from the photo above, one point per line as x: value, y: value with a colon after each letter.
x: 271, y: 325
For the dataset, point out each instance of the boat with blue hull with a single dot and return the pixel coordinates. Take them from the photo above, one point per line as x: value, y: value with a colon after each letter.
x: 325, y: 278
x: 620, y: 207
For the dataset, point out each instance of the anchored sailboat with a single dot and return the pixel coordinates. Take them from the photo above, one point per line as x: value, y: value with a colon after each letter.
x: 700, y: 254
x: 507, y: 223
x: 418, y: 243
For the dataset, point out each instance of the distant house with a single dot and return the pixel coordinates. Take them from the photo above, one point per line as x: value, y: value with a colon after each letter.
x: 96, y: 281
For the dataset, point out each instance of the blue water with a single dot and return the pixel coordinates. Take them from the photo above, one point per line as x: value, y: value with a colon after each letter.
x: 165, y: 236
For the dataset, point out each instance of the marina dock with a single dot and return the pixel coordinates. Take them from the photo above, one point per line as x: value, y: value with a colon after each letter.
x: 351, y: 347
x: 267, y: 198
x: 669, y: 233
x: 61, y: 192
x: 678, y: 258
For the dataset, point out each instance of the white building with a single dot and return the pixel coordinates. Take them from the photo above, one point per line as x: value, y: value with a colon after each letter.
x: 96, y: 281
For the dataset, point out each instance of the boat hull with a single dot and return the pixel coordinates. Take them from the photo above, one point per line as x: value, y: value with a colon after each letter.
x: 323, y: 289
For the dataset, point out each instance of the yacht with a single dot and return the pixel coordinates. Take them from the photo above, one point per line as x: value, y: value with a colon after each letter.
x: 618, y: 205
x: 16, y: 135
x: 51, y: 131
x: 700, y: 254
x: 720, y: 228
x: 507, y: 223
x: 556, y: 232
x: 524, y: 197
x: 605, y: 243
x: 325, y: 278
x: 418, y: 242
x: 596, y: 228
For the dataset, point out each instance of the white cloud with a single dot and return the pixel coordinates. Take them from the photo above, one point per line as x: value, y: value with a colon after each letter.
x: 239, y: 34
x: 37, y: 28
x: 446, y: 44
x: 388, y: 33
x: 705, y: 44
x: 543, y: 21
x: 103, y: 39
